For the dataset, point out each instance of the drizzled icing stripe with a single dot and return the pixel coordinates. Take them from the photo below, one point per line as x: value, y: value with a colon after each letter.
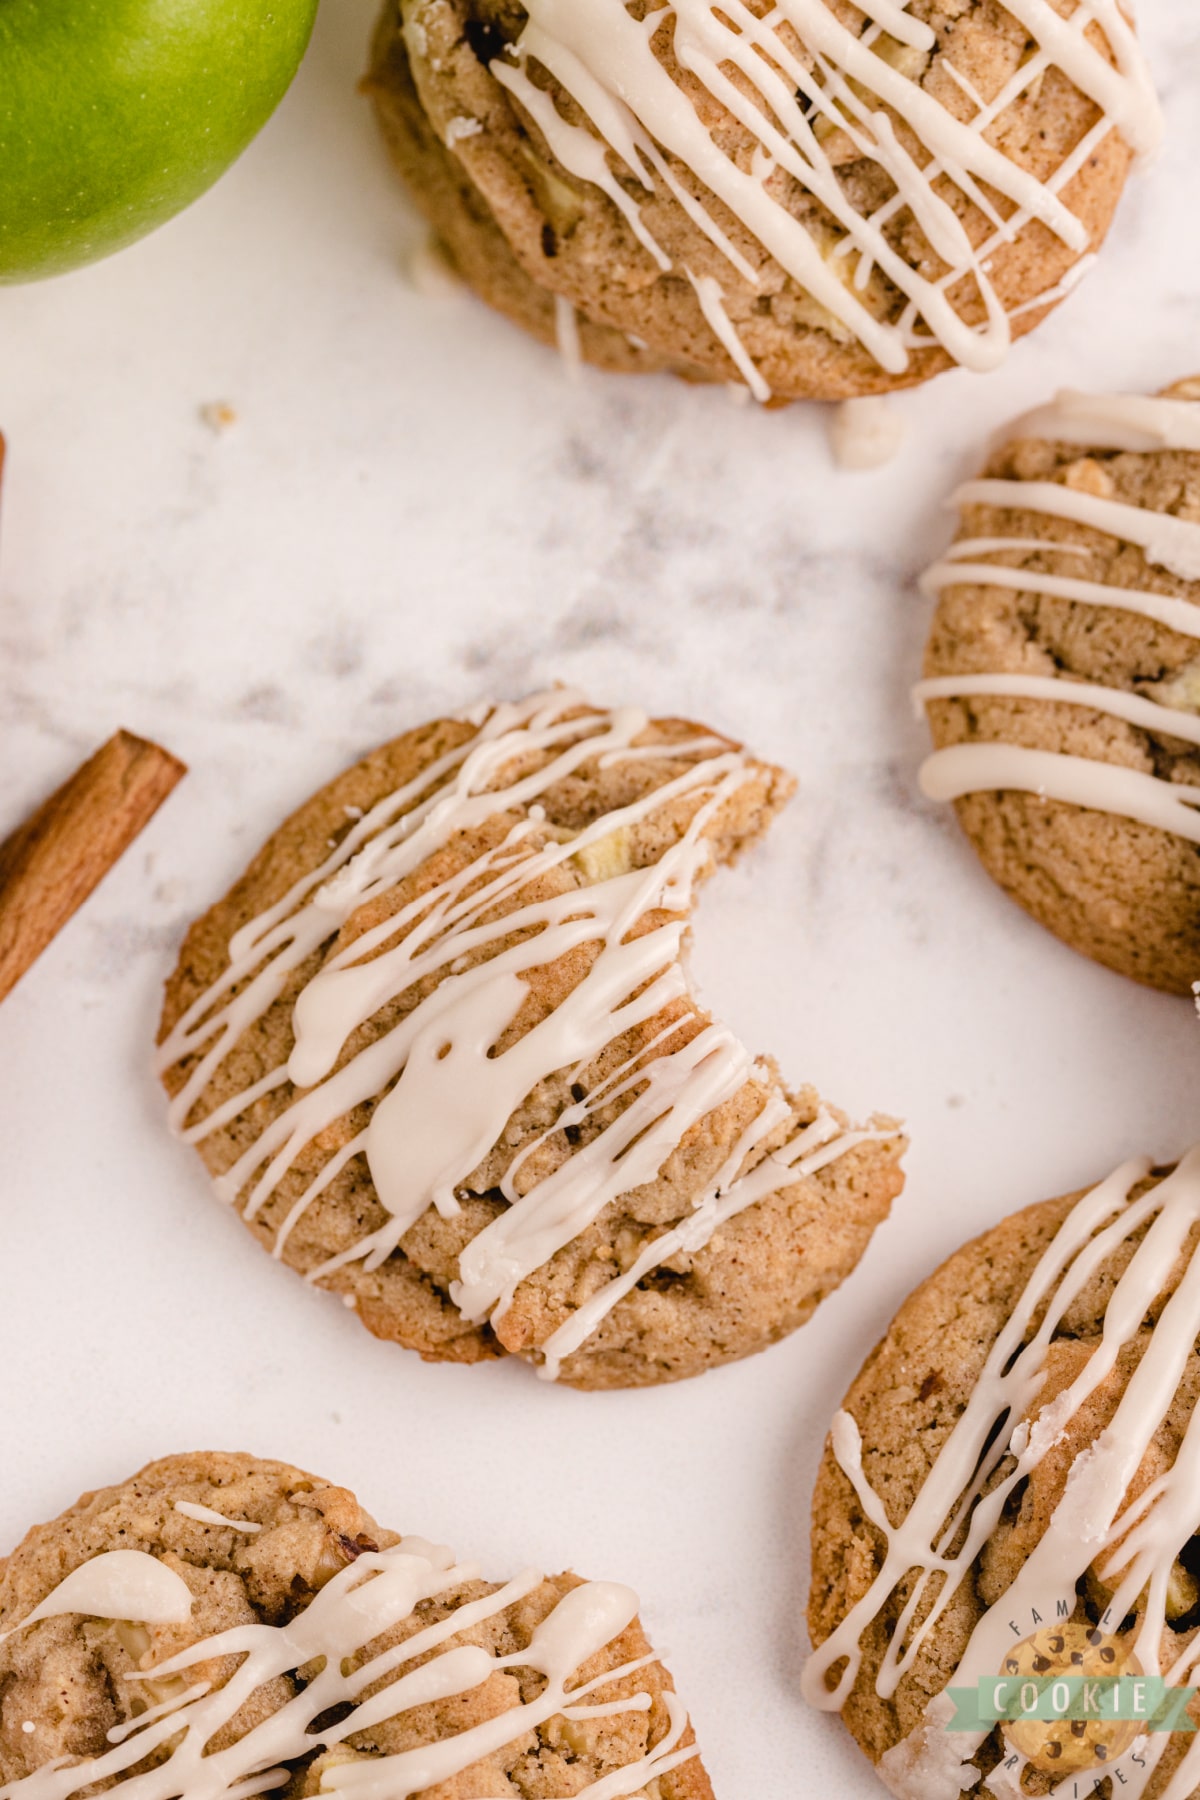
x: 1120, y: 423
x: 1117, y: 703
x: 958, y: 571
x: 962, y: 769
x: 606, y: 61
x: 442, y: 1102
x: 1092, y: 1517
x: 205, y: 1515
x: 1170, y: 543
x: 373, y: 1595
x: 1134, y: 422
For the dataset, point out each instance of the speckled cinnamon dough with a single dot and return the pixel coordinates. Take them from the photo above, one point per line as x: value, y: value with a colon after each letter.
x: 906, y: 1400
x: 760, y: 1277
x: 66, y: 1676
x: 524, y: 232
x: 1120, y: 891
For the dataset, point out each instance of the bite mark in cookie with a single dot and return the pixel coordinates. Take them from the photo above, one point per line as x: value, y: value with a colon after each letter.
x: 449, y: 1061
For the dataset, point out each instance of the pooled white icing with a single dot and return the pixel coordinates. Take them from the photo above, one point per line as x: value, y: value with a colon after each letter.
x: 371, y: 1596
x: 120, y: 1584
x: 1118, y: 423
x: 931, y: 1763
x: 1132, y: 1546
x: 643, y: 127
x: 441, y: 1100
x: 865, y: 433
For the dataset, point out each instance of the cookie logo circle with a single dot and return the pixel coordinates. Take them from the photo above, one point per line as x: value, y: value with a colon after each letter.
x: 1066, y: 1745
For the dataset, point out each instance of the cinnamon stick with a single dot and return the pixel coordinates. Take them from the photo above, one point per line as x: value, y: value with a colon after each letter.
x: 50, y: 865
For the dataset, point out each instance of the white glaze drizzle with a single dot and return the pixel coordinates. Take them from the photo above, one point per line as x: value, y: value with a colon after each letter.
x: 566, y: 334
x: 205, y: 1515
x: 1170, y: 543
x: 1134, y: 422
x: 120, y: 1584
x: 1117, y: 703
x: 712, y: 305
x: 605, y: 59
x: 1133, y: 1545
x: 1118, y: 423
x: 371, y: 1596
x: 445, y: 1101
x: 961, y: 769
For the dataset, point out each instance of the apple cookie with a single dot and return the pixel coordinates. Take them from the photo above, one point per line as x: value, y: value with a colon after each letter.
x: 814, y: 199
x: 439, y: 1049
x: 1005, y: 1558
x: 1062, y: 677
x: 220, y: 1626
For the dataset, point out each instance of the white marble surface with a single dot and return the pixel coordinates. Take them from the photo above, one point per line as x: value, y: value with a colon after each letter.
x: 417, y: 508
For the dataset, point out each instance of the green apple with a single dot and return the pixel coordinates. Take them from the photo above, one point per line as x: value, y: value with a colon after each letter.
x: 116, y: 114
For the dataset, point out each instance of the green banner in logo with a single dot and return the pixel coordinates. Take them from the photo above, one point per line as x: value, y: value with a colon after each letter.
x: 1142, y: 1699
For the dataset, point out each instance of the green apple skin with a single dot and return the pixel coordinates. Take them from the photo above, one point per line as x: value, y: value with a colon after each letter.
x: 116, y: 114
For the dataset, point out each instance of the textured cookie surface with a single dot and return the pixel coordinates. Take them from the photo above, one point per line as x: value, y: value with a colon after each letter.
x: 751, y: 201
x: 279, y: 1572
x: 458, y: 1074
x: 947, y: 1421
x: 1090, y: 658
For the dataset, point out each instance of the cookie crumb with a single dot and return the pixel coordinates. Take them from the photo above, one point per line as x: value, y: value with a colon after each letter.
x: 218, y: 415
